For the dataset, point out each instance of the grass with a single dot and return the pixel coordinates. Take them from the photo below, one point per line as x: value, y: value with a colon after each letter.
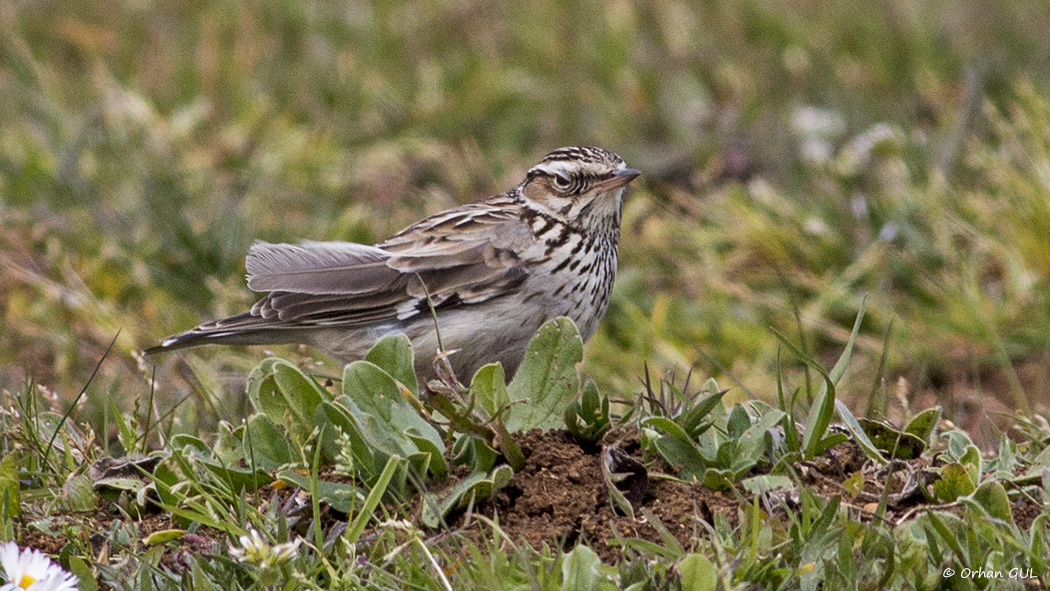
x: 275, y: 503
x: 797, y: 158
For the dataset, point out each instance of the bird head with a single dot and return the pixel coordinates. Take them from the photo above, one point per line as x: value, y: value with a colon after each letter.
x: 578, y: 184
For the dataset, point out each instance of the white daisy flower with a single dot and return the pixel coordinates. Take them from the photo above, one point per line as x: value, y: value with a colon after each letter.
x: 31, y: 570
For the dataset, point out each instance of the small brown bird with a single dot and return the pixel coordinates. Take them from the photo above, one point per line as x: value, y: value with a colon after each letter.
x: 495, y: 270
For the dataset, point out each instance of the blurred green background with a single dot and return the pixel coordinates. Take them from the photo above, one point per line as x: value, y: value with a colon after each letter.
x: 796, y: 156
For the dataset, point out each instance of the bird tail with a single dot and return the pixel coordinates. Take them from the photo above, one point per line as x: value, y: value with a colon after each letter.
x: 242, y: 329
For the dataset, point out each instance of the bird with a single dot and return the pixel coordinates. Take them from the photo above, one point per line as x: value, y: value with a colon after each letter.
x: 483, y: 276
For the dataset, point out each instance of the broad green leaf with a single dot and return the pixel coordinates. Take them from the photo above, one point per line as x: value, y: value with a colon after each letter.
x: 85, y: 578
x: 79, y: 493
x: 954, y: 483
x: 437, y: 505
x: 751, y: 443
x: 924, y: 423
x: 765, y: 483
x: 489, y: 388
x: 698, y: 573
x: 195, y: 444
x: 668, y: 427
x: 436, y: 465
x: 164, y: 536
x: 718, y: 479
x: 547, y: 378
x: 474, y: 452
x: 236, y: 476
x: 265, y: 447
x: 335, y: 417
x: 260, y: 381
x: 478, y: 486
x: 286, y: 395
x: 394, y: 355
x: 684, y: 454
x: 860, y: 435
x: 887, y: 438
x: 302, y: 395
x: 971, y: 458
x: 383, y: 414
x: 738, y: 422
x: 580, y: 570
x: 993, y: 498
x: 693, y: 419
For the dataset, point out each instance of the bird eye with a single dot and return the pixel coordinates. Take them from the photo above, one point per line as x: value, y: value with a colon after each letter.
x: 562, y: 182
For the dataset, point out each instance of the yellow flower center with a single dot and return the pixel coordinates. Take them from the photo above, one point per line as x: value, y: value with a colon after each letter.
x: 26, y: 581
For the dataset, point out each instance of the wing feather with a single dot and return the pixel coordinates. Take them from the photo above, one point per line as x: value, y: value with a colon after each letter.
x: 462, y: 256
x: 319, y: 268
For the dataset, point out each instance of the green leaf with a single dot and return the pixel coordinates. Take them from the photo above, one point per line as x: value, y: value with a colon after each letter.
x: 954, y: 483
x: 938, y: 520
x: 819, y: 416
x: 478, y: 486
x: 547, y: 380
x: 331, y: 415
x: 884, y: 436
x: 237, y: 476
x: 738, y: 421
x: 698, y: 573
x: 10, y: 503
x: 580, y: 570
x: 394, y: 355
x: 992, y: 496
x: 385, y: 417
x: 840, y: 365
x: 765, y: 483
x: 823, y: 405
x: 164, y: 536
x: 692, y: 420
x: 684, y: 454
x: 474, y: 452
x: 357, y: 526
x: 751, y: 443
x: 860, y: 435
x: 286, y: 395
x: 489, y: 388
x: 264, y: 445
x: 924, y: 423
x: 718, y: 479
x: 436, y: 464
x: 85, y: 578
x: 260, y: 381
x: 971, y: 458
x: 80, y: 494
x: 302, y: 394
x: 667, y: 426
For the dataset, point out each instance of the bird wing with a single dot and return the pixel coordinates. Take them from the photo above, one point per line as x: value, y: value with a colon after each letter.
x: 461, y: 256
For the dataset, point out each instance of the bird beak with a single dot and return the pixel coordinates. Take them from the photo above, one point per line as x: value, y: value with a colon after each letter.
x: 620, y: 178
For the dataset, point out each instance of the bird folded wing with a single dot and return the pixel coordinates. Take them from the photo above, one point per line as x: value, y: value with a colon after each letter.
x: 319, y: 268
x: 347, y: 284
